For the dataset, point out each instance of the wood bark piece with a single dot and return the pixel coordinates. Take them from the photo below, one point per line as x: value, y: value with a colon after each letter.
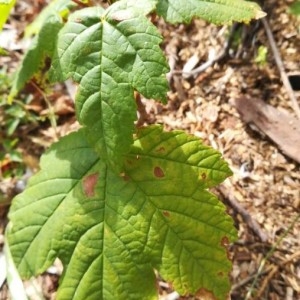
x: 280, y: 126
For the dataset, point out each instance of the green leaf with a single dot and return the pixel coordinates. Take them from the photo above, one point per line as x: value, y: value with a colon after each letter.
x: 5, y: 8
x: 35, y: 58
x: 111, y: 231
x: 132, y: 8
x: 111, y: 53
x: 295, y: 8
x: 215, y: 11
x: 55, y: 7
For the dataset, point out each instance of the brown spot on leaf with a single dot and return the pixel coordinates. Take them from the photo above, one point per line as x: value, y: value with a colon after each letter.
x: 166, y: 213
x: 220, y: 274
x: 129, y: 162
x: 125, y: 176
x: 161, y: 150
x: 89, y: 184
x: 225, y: 241
x: 158, y: 172
x: 203, y: 176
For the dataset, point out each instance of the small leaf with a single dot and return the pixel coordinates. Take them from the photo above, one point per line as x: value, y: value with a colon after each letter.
x: 111, y: 231
x: 46, y: 26
x: 55, y: 7
x: 111, y: 53
x: 215, y: 11
x: 42, y: 47
x: 5, y: 8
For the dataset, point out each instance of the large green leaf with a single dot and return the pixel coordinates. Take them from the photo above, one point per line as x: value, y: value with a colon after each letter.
x: 111, y: 231
x: 215, y: 11
x: 111, y: 53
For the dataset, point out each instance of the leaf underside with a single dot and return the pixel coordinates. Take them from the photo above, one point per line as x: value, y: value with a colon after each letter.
x: 111, y: 53
x: 111, y: 231
x: 214, y: 11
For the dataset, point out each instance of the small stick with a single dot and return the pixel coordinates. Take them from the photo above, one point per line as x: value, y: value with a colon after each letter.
x: 244, y: 213
x: 273, y: 270
x: 269, y: 254
x: 281, y: 69
x: 212, y: 60
x: 246, y: 280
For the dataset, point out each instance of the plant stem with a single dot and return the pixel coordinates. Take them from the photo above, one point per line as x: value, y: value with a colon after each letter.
x: 51, y: 114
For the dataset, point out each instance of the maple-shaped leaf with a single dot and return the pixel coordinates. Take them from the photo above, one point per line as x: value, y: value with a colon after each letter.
x: 215, y: 11
x: 111, y: 53
x: 111, y: 231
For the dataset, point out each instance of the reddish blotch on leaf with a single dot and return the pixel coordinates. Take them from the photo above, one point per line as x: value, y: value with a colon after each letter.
x: 158, y: 172
x: 89, y: 184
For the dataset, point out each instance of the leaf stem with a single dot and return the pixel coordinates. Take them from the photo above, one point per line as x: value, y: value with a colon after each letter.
x: 51, y: 114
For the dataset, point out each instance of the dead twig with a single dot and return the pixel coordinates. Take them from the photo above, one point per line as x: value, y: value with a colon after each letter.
x: 280, y: 66
x: 245, y: 281
x: 268, y: 256
x: 214, y: 58
x: 244, y: 213
x: 272, y: 270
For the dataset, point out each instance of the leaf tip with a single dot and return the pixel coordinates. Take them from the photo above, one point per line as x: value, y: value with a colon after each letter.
x: 260, y: 14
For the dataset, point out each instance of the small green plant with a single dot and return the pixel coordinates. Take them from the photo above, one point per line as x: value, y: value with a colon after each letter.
x: 11, y: 116
x: 114, y: 202
x: 261, y: 57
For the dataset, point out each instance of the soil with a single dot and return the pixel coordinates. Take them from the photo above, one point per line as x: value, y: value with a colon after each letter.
x: 263, y: 195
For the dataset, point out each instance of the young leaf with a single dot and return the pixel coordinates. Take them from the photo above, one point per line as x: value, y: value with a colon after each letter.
x: 111, y: 231
x: 215, y: 11
x: 5, y: 8
x: 110, y: 53
x: 55, y: 7
x: 42, y: 47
